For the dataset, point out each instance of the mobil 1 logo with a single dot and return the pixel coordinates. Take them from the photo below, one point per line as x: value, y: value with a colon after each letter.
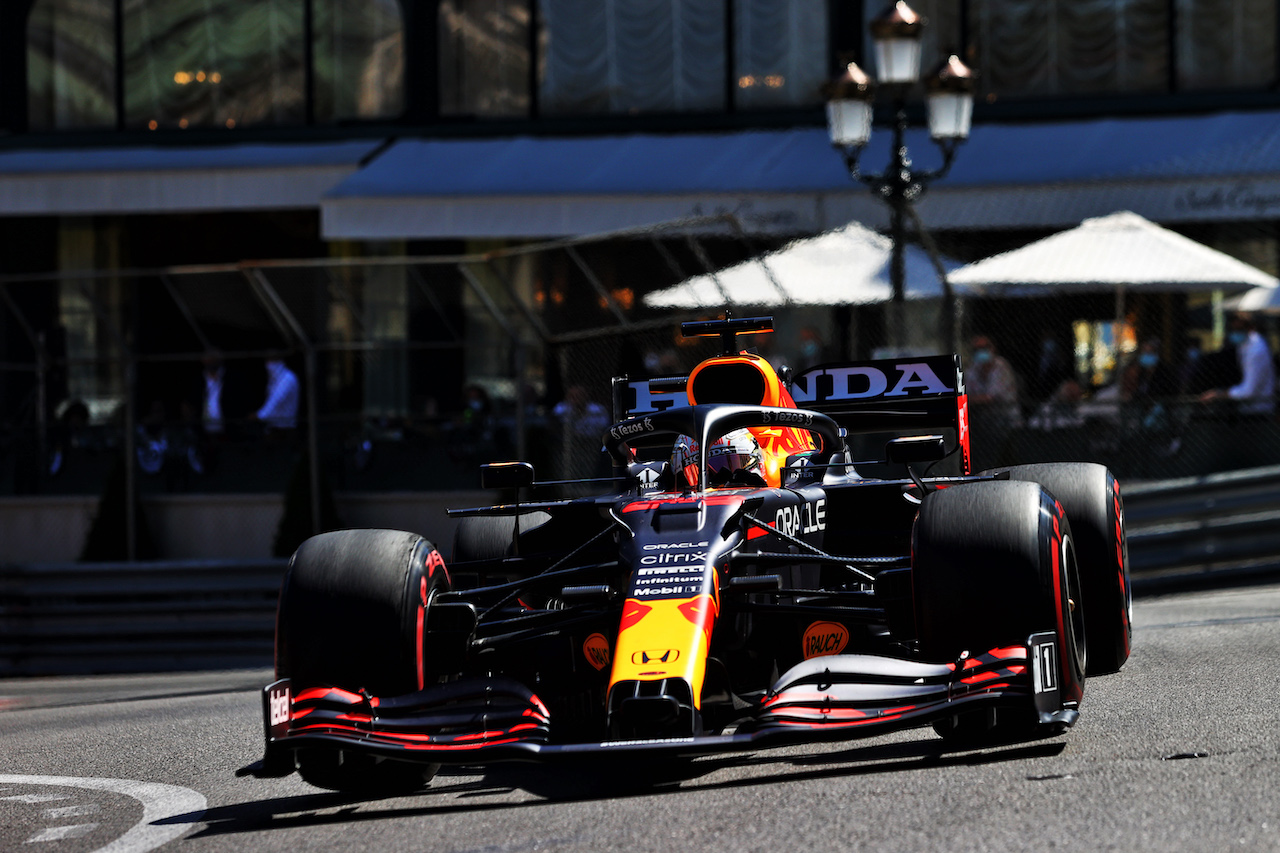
x: 671, y: 570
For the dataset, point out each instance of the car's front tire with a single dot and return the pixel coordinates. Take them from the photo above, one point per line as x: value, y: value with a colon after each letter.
x: 351, y: 606
x: 1091, y: 497
x: 993, y: 563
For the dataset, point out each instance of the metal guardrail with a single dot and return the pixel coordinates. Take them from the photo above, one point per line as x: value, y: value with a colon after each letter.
x: 1204, y: 529
x: 63, y: 618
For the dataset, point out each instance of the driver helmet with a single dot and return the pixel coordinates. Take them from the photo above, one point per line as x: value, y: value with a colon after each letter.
x: 732, y: 459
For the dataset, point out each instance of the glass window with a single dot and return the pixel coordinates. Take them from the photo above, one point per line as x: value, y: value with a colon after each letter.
x: 1226, y: 44
x: 484, y: 57
x: 71, y: 65
x: 779, y: 53
x: 1034, y: 47
x: 213, y: 63
x: 632, y: 56
x: 359, y: 59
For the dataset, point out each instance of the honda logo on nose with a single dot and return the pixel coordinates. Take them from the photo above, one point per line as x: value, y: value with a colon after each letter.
x: 656, y: 656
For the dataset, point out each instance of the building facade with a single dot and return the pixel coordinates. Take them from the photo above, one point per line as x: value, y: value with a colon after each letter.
x: 149, y: 148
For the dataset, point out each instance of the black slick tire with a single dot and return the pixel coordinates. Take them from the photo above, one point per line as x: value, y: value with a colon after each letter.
x: 1090, y: 495
x: 351, y: 609
x: 993, y: 563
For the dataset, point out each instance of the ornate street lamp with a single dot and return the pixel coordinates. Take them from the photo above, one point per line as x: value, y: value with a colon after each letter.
x: 949, y: 104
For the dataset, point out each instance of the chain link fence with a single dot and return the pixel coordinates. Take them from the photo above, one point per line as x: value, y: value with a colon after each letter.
x: 414, y: 370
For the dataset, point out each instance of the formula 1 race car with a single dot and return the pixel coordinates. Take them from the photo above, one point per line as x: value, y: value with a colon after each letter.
x: 741, y: 586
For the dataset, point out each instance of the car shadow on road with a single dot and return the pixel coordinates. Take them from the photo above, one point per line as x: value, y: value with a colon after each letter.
x: 464, y: 790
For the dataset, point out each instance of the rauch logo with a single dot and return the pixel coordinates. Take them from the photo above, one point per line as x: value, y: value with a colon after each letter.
x: 596, y: 649
x: 825, y: 638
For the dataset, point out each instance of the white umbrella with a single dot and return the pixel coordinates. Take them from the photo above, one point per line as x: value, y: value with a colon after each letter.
x: 849, y: 265
x: 1264, y: 299
x: 1122, y: 251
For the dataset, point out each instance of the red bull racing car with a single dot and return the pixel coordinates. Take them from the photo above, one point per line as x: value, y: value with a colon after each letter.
x: 740, y: 586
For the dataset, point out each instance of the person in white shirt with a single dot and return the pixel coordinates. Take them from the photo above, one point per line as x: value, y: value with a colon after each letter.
x: 1256, y: 388
x: 280, y: 410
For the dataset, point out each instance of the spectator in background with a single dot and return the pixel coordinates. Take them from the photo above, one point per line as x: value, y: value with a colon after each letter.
x: 1256, y: 388
x: 813, y: 350
x: 478, y: 424
x: 472, y: 433
x: 279, y: 412
x: 477, y: 413
x: 208, y: 431
x: 1062, y: 409
x: 214, y: 374
x: 1190, y: 366
x: 1110, y: 403
x: 990, y: 380
x: 1156, y: 378
x: 992, y: 387
x: 1053, y: 367
x: 582, y: 423
x: 70, y: 432
x: 151, y: 443
x: 1154, y: 382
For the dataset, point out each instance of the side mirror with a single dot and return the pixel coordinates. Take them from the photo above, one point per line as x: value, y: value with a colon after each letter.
x: 916, y: 448
x: 506, y: 475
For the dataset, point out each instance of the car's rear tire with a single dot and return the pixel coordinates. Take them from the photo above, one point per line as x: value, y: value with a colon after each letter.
x: 350, y: 611
x: 1091, y: 497
x: 993, y: 563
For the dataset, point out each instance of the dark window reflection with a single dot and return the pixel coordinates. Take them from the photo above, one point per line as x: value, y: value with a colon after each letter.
x: 780, y: 57
x: 359, y: 59
x: 206, y: 63
x: 1029, y: 47
x: 632, y: 56
x: 1226, y: 44
x: 484, y: 57
x: 238, y: 63
x: 212, y: 63
x: 70, y: 65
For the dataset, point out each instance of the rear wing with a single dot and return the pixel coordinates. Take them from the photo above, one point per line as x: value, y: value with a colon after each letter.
x: 913, y: 395
x: 904, y: 395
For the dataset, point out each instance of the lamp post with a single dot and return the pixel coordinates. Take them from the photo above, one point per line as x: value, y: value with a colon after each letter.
x: 949, y: 104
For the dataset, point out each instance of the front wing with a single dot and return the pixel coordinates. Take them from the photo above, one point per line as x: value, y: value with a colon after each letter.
x: 483, y: 720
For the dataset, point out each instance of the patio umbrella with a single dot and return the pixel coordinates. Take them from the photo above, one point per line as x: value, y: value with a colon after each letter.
x: 1119, y: 252
x: 1265, y: 300
x: 849, y: 265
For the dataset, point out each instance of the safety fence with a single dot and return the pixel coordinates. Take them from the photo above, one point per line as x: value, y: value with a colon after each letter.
x: 412, y: 370
x: 398, y: 373
x: 192, y: 615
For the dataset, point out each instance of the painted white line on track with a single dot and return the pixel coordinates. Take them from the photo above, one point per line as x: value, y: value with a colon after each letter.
x: 61, y: 833
x: 72, y: 811
x: 31, y: 799
x: 158, y: 802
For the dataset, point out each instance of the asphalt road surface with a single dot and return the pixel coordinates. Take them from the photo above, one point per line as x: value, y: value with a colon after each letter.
x: 1180, y: 751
